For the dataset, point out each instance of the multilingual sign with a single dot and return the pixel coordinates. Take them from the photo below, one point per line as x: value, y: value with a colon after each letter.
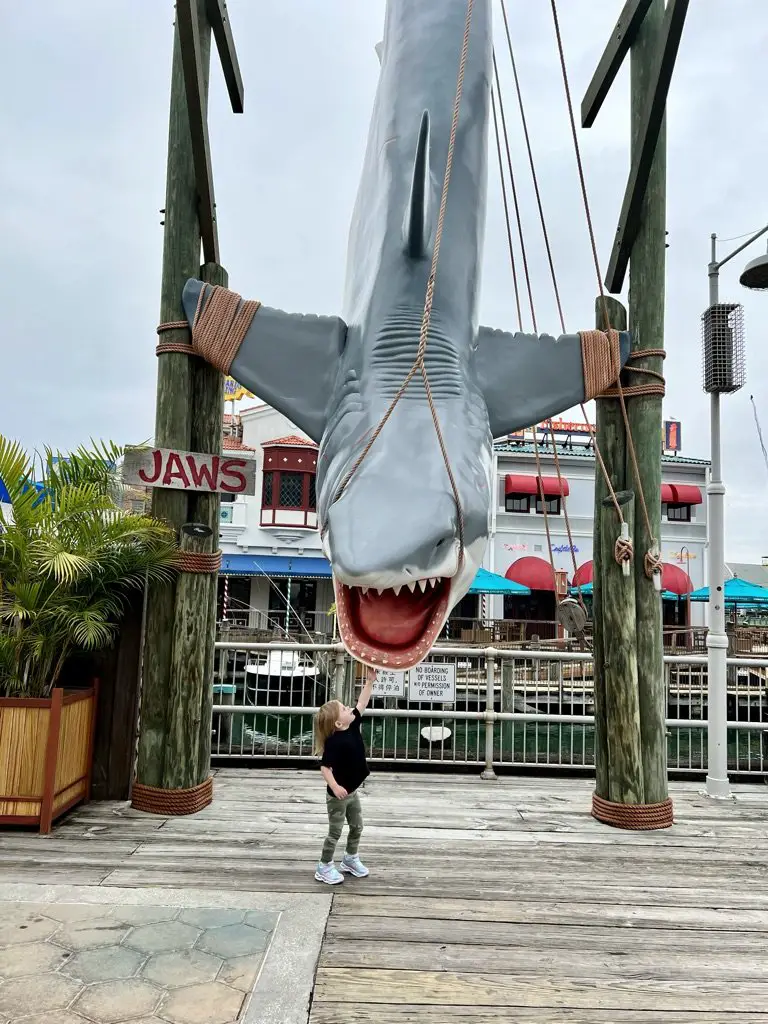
x: 389, y: 683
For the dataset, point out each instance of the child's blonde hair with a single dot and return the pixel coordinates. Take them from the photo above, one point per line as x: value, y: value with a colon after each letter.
x: 325, y: 724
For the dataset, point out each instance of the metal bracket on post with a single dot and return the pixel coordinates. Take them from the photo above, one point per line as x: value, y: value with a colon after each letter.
x: 490, y: 713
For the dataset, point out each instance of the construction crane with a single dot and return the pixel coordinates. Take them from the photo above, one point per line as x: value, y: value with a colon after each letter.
x: 759, y: 431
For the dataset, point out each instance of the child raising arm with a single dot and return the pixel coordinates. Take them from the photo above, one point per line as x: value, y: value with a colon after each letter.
x: 343, y: 765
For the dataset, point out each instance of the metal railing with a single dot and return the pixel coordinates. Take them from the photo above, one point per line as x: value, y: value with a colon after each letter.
x: 510, y: 708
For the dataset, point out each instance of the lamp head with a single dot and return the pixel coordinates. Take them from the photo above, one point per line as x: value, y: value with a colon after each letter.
x: 755, y: 274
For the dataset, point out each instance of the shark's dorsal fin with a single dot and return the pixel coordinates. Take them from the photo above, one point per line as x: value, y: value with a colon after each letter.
x: 416, y: 229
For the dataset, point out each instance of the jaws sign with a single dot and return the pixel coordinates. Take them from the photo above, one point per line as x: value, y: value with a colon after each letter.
x: 189, y: 471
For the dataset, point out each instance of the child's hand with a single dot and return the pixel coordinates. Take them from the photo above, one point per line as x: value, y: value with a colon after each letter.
x: 340, y: 793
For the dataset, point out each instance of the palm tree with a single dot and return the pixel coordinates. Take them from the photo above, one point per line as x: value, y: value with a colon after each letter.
x: 69, y: 559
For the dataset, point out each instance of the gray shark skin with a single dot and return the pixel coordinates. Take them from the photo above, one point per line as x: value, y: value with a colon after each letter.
x: 392, y: 536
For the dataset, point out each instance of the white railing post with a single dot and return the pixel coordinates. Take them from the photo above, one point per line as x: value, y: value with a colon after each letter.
x: 490, y: 713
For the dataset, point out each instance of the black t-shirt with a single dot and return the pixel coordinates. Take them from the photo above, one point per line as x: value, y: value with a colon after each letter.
x: 344, y: 754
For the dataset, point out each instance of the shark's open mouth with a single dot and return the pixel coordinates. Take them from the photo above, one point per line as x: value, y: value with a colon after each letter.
x: 393, y: 628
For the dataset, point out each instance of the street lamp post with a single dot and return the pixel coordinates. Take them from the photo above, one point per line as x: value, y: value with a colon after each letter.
x: 723, y: 374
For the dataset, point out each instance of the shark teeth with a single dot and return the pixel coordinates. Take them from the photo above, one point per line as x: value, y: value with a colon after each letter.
x: 427, y: 583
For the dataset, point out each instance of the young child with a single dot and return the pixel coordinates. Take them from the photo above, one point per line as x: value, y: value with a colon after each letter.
x: 340, y: 747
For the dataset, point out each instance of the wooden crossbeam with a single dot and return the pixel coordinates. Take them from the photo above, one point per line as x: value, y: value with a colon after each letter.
x: 623, y: 36
x: 189, y: 39
x: 218, y: 16
x: 650, y: 129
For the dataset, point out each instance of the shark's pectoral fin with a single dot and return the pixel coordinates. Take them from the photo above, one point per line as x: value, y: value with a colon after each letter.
x: 417, y: 228
x: 527, y: 378
x: 288, y: 360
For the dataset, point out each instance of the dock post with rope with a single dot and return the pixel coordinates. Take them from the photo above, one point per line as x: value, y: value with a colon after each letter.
x: 173, y: 758
x: 650, y: 31
x: 612, y: 443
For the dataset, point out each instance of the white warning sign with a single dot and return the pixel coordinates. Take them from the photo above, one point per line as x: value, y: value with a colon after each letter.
x: 430, y: 682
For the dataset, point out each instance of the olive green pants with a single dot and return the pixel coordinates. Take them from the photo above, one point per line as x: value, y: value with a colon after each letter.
x: 339, y: 811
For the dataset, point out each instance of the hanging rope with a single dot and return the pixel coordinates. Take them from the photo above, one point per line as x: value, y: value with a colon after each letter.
x: 506, y: 208
x: 600, y: 350
x: 514, y: 194
x: 652, y: 558
x: 419, y: 365
x: 591, y: 351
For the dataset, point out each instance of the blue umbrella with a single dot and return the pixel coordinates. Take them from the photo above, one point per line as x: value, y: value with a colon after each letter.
x: 737, y: 591
x: 490, y: 583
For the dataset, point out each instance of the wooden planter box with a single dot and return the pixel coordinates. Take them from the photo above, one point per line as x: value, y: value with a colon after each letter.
x: 46, y: 755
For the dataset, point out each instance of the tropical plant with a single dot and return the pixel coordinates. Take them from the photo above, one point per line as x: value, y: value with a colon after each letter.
x: 69, y: 559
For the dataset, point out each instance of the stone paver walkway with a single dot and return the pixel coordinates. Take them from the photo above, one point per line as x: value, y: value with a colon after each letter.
x: 66, y: 963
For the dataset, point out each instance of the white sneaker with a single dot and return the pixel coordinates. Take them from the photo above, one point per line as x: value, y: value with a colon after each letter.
x: 327, y: 873
x: 354, y: 866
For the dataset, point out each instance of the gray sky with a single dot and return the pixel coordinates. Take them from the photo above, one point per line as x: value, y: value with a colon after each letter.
x: 84, y: 123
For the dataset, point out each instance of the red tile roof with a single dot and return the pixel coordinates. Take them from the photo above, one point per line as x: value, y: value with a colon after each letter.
x: 290, y: 440
x: 235, y: 444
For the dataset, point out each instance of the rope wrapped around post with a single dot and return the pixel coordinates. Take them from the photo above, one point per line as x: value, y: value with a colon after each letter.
x: 198, y: 561
x: 637, y: 817
x: 220, y: 324
x: 184, y: 347
x: 172, y: 802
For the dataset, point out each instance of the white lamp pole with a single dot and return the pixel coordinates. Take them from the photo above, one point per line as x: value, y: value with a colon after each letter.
x: 722, y: 375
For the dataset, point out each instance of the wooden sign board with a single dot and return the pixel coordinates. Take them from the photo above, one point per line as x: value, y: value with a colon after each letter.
x: 189, y: 471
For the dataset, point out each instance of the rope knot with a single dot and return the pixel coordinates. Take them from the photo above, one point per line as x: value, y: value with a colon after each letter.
x: 624, y: 551
x: 653, y: 564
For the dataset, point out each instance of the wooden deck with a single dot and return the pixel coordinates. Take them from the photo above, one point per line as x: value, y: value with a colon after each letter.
x: 487, y: 901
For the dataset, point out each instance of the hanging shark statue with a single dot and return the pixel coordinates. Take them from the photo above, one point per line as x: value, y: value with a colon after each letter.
x: 392, y: 536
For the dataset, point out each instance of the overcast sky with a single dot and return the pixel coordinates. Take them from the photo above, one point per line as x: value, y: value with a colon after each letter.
x: 82, y: 178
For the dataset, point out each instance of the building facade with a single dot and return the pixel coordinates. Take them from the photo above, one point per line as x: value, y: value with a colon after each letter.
x: 276, y: 573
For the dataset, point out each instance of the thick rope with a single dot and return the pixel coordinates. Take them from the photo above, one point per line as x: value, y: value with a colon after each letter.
x: 624, y: 550
x: 419, y: 363
x: 221, y: 322
x: 184, y: 347
x: 652, y: 555
x: 198, y: 561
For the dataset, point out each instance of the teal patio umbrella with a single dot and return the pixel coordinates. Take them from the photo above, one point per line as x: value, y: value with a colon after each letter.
x: 737, y: 592
x: 486, y: 582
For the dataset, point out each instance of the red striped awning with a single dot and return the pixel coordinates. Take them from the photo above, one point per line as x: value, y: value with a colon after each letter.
x: 681, y: 494
x: 548, y: 486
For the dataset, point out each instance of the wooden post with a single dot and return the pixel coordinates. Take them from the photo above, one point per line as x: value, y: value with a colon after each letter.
x: 207, y: 433
x: 173, y: 422
x: 646, y: 314
x: 611, y: 441
x: 188, y: 680
x: 619, y: 646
